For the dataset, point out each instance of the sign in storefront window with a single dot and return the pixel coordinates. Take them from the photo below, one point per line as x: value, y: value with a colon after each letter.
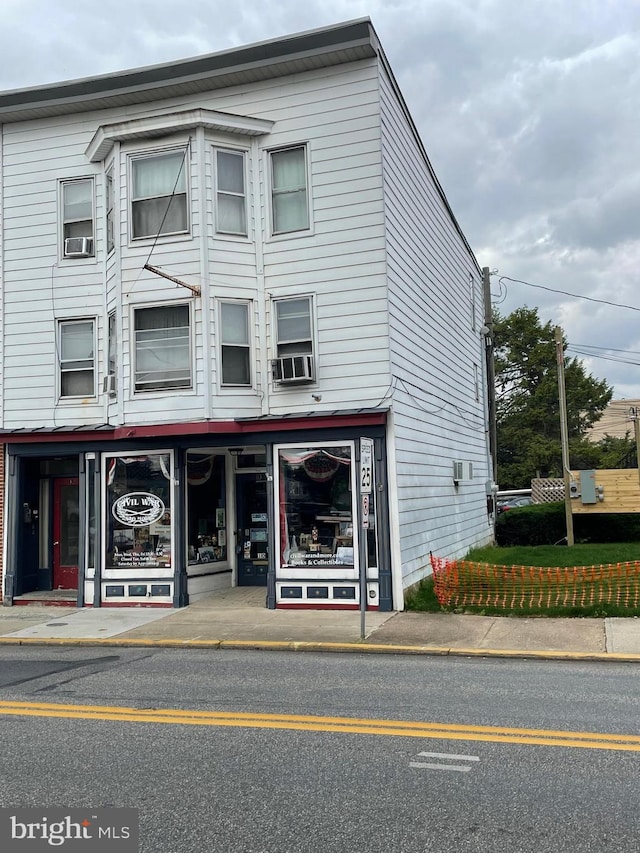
x: 316, y: 506
x: 139, y: 511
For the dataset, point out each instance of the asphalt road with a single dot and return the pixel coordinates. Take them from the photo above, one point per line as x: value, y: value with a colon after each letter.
x: 447, y: 754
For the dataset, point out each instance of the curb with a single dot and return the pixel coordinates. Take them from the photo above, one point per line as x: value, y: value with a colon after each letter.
x: 311, y: 646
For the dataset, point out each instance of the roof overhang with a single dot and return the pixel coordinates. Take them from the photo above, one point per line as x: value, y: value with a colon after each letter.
x: 320, y: 48
x: 150, y: 127
x: 235, y: 428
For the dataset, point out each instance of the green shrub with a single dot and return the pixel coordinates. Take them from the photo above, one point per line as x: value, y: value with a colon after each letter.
x: 545, y: 524
x: 538, y: 524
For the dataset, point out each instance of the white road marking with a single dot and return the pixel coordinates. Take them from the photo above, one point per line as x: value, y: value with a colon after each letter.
x: 461, y: 768
x: 429, y: 765
x: 449, y: 756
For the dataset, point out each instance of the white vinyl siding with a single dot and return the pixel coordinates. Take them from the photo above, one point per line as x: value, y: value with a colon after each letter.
x: 77, y: 360
x: 235, y: 344
x: 342, y: 262
x: 231, y: 212
x: 159, y: 194
x: 437, y: 417
x: 289, y: 190
x: 163, y: 348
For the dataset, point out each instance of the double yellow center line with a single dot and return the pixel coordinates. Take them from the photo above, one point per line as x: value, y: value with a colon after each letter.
x: 312, y: 723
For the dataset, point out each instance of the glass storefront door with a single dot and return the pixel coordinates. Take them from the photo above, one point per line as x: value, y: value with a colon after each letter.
x: 252, y: 532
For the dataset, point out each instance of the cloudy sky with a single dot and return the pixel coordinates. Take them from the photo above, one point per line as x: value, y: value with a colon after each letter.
x: 529, y: 110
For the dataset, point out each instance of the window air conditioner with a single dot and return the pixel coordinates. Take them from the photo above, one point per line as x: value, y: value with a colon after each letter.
x: 462, y: 471
x: 109, y: 384
x: 78, y: 247
x: 293, y: 368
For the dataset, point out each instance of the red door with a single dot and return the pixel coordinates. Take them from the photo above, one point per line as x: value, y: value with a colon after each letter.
x: 66, y: 532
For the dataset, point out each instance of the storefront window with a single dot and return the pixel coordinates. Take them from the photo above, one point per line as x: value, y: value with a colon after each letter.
x: 207, y: 525
x: 139, y: 511
x: 91, y: 512
x: 316, y: 506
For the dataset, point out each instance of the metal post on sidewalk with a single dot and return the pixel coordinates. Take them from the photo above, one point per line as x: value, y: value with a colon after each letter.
x: 364, y: 494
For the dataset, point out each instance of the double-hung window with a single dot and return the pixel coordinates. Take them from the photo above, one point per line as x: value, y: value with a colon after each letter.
x: 163, y: 348
x: 110, y: 224
x: 235, y: 355
x: 77, y: 365
x: 77, y: 218
x: 159, y: 195
x: 289, y: 190
x: 293, y: 326
x: 231, y: 213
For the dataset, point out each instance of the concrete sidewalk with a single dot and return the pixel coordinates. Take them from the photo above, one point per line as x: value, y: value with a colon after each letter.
x: 237, y: 618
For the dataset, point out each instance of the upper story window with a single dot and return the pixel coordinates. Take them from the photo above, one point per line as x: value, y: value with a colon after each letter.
x: 235, y: 346
x: 293, y: 326
x: 162, y: 348
x: 289, y: 190
x: 77, y: 366
x: 231, y: 214
x: 159, y: 195
x: 77, y: 218
x: 110, y: 225
x: 472, y: 298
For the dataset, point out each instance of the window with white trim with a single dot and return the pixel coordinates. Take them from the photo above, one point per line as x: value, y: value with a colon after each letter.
x: 110, y: 225
x: 77, y: 218
x: 159, y: 194
x: 162, y: 348
x: 289, y: 190
x: 235, y: 344
x: 293, y: 326
x: 472, y: 298
x: 231, y: 213
x: 77, y: 363
x: 112, y: 344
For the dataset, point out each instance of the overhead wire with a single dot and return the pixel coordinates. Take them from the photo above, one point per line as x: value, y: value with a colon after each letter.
x: 502, y: 278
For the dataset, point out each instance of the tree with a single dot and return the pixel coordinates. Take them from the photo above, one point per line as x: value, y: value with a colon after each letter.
x: 527, y: 406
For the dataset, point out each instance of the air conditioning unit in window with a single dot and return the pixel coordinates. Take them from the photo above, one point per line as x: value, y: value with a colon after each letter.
x: 109, y: 384
x: 293, y: 368
x: 78, y: 247
x: 462, y: 471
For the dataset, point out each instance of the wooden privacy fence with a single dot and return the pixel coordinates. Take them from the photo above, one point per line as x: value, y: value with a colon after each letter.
x: 460, y: 583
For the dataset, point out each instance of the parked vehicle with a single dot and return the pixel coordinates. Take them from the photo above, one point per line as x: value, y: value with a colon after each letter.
x: 504, y: 504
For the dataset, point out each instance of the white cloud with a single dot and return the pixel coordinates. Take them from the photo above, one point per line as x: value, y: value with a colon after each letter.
x: 528, y: 111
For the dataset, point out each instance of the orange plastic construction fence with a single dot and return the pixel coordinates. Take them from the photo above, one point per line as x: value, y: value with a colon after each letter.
x: 460, y: 583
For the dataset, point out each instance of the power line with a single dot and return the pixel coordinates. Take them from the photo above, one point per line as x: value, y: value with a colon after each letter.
x: 613, y: 358
x: 606, y: 349
x: 566, y: 293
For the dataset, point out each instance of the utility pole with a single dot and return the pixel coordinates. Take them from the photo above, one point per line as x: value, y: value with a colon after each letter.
x: 633, y: 414
x: 491, y: 373
x: 564, y: 435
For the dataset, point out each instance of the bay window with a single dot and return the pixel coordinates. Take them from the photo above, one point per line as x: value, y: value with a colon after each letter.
x: 162, y: 348
x: 109, y: 204
x: 159, y: 195
x: 231, y: 216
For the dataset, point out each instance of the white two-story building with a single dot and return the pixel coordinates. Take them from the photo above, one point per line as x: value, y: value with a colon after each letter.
x: 242, y: 334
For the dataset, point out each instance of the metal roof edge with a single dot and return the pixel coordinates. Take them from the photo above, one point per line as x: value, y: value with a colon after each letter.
x: 273, y: 52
